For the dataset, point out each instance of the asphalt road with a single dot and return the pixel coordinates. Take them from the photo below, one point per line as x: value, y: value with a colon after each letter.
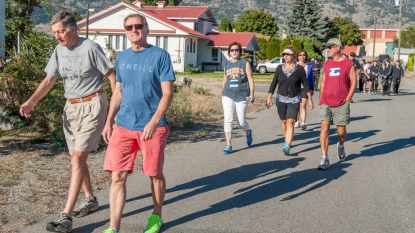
x: 258, y: 189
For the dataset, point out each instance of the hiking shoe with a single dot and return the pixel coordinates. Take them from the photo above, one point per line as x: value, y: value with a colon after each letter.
x: 297, y: 124
x: 155, y: 223
x: 324, y: 164
x: 341, y: 153
x: 286, y: 149
x: 62, y: 224
x: 227, y: 150
x: 303, y: 126
x: 86, y: 206
x: 249, y: 138
x: 109, y: 230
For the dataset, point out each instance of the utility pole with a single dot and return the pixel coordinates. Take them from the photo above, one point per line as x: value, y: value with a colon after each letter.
x: 400, y: 30
x: 374, y: 37
x: 87, y: 20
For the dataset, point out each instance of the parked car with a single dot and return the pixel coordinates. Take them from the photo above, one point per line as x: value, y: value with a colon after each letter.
x: 383, y: 57
x: 270, y: 66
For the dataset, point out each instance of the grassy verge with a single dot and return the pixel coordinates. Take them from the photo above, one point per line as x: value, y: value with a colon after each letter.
x: 219, y: 75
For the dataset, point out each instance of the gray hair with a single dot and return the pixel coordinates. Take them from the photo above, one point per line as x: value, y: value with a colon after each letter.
x: 67, y: 19
x: 142, y: 17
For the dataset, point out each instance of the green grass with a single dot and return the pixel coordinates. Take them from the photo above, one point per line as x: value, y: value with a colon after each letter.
x: 219, y: 75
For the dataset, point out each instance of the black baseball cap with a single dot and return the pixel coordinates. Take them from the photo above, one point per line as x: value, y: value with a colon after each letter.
x: 353, y: 54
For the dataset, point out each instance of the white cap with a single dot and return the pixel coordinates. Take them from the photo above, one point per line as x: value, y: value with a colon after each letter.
x: 287, y: 51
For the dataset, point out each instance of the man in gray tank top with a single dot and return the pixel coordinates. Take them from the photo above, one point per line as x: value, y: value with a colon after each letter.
x: 82, y: 65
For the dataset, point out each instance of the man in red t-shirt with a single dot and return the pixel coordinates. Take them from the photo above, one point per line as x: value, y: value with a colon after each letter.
x: 337, y: 89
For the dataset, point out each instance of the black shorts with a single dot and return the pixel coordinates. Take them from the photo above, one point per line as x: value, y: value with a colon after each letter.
x: 304, y: 93
x: 288, y: 111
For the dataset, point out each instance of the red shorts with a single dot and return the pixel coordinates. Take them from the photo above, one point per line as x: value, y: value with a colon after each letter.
x: 124, y: 145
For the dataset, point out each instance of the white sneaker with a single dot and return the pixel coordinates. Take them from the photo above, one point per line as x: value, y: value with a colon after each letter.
x: 297, y: 124
x: 324, y: 164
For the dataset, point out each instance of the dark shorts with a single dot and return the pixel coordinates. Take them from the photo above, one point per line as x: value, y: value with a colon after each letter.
x: 287, y: 111
x: 304, y: 93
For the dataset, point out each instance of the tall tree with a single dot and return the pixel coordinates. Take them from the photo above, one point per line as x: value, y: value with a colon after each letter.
x: 347, y: 31
x: 273, y: 47
x: 256, y: 21
x: 284, y: 43
x: 407, y: 38
x: 305, y: 20
x: 225, y: 25
x: 262, y: 54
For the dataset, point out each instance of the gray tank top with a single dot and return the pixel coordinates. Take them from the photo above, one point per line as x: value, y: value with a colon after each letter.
x: 237, y: 85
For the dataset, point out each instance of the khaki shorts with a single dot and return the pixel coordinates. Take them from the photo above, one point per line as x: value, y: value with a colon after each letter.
x: 340, y: 114
x: 83, y: 123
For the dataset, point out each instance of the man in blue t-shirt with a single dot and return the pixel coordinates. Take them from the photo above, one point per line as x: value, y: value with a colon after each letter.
x: 142, y: 95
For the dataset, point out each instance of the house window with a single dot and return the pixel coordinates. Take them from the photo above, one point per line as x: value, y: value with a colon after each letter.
x: 215, y: 54
x: 196, y: 26
x: 194, y: 46
x: 191, y: 46
x: 158, y: 41
x: 165, y: 43
x: 110, y: 41
x: 187, y: 41
x: 117, y: 42
x: 124, y: 42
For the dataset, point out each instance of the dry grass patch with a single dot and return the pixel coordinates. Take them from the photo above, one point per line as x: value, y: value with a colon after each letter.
x: 35, y: 181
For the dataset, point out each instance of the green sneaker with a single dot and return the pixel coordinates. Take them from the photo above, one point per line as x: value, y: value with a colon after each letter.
x: 109, y: 230
x: 155, y: 223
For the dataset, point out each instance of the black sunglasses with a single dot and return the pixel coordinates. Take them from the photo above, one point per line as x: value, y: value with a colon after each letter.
x: 136, y: 26
x: 234, y: 50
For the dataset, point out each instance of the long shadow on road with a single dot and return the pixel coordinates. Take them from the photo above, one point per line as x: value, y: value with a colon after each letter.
x: 264, y: 190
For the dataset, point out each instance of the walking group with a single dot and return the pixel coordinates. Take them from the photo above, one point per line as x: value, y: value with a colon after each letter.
x: 375, y: 76
x: 142, y: 90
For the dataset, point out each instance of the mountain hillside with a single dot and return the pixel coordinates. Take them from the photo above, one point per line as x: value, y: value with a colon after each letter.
x: 356, y: 10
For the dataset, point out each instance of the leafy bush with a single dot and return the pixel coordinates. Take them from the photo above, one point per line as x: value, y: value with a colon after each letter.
x: 410, y: 64
x: 202, y: 91
x: 191, y: 70
x: 180, y: 113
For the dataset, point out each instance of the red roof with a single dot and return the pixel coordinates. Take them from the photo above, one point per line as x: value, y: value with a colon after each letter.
x: 149, y: 13
x: 194, y: 12
x: 223, y: 39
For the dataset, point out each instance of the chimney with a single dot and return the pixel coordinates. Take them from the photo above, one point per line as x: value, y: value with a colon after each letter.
x: 139, y: 4
x: 161, y: 4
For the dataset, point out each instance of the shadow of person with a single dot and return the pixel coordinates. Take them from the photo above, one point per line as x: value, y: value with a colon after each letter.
x: 382, y: 148
x: 232, y: 176
x: 270, y: 189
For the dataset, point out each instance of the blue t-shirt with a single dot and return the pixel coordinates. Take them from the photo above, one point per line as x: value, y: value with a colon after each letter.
x: 141, y: 74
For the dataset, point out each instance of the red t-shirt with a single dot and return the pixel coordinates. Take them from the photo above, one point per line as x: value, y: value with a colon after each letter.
x: 336, y: 82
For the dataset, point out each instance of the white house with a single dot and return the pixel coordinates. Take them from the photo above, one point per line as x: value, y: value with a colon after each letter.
x: 184, y: 31
x: 404, y: 54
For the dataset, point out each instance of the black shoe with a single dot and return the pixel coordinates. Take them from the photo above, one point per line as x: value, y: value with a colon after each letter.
x: 383, y: 93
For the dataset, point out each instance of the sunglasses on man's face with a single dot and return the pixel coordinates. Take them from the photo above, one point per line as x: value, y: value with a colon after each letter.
x: 136, y: 26
x: 330, y: 47
x: 234, y: 50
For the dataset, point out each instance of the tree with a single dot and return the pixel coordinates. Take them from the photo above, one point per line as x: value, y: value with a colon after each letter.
x: 297, y: 44
x: 262, y: 54
x: 304, y: 20
x: 347, y: 31
x: 272, y: 47
x: 256, y: 21
x: 284, y: 43
x: 225, y: 25
x: 407, y: 38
